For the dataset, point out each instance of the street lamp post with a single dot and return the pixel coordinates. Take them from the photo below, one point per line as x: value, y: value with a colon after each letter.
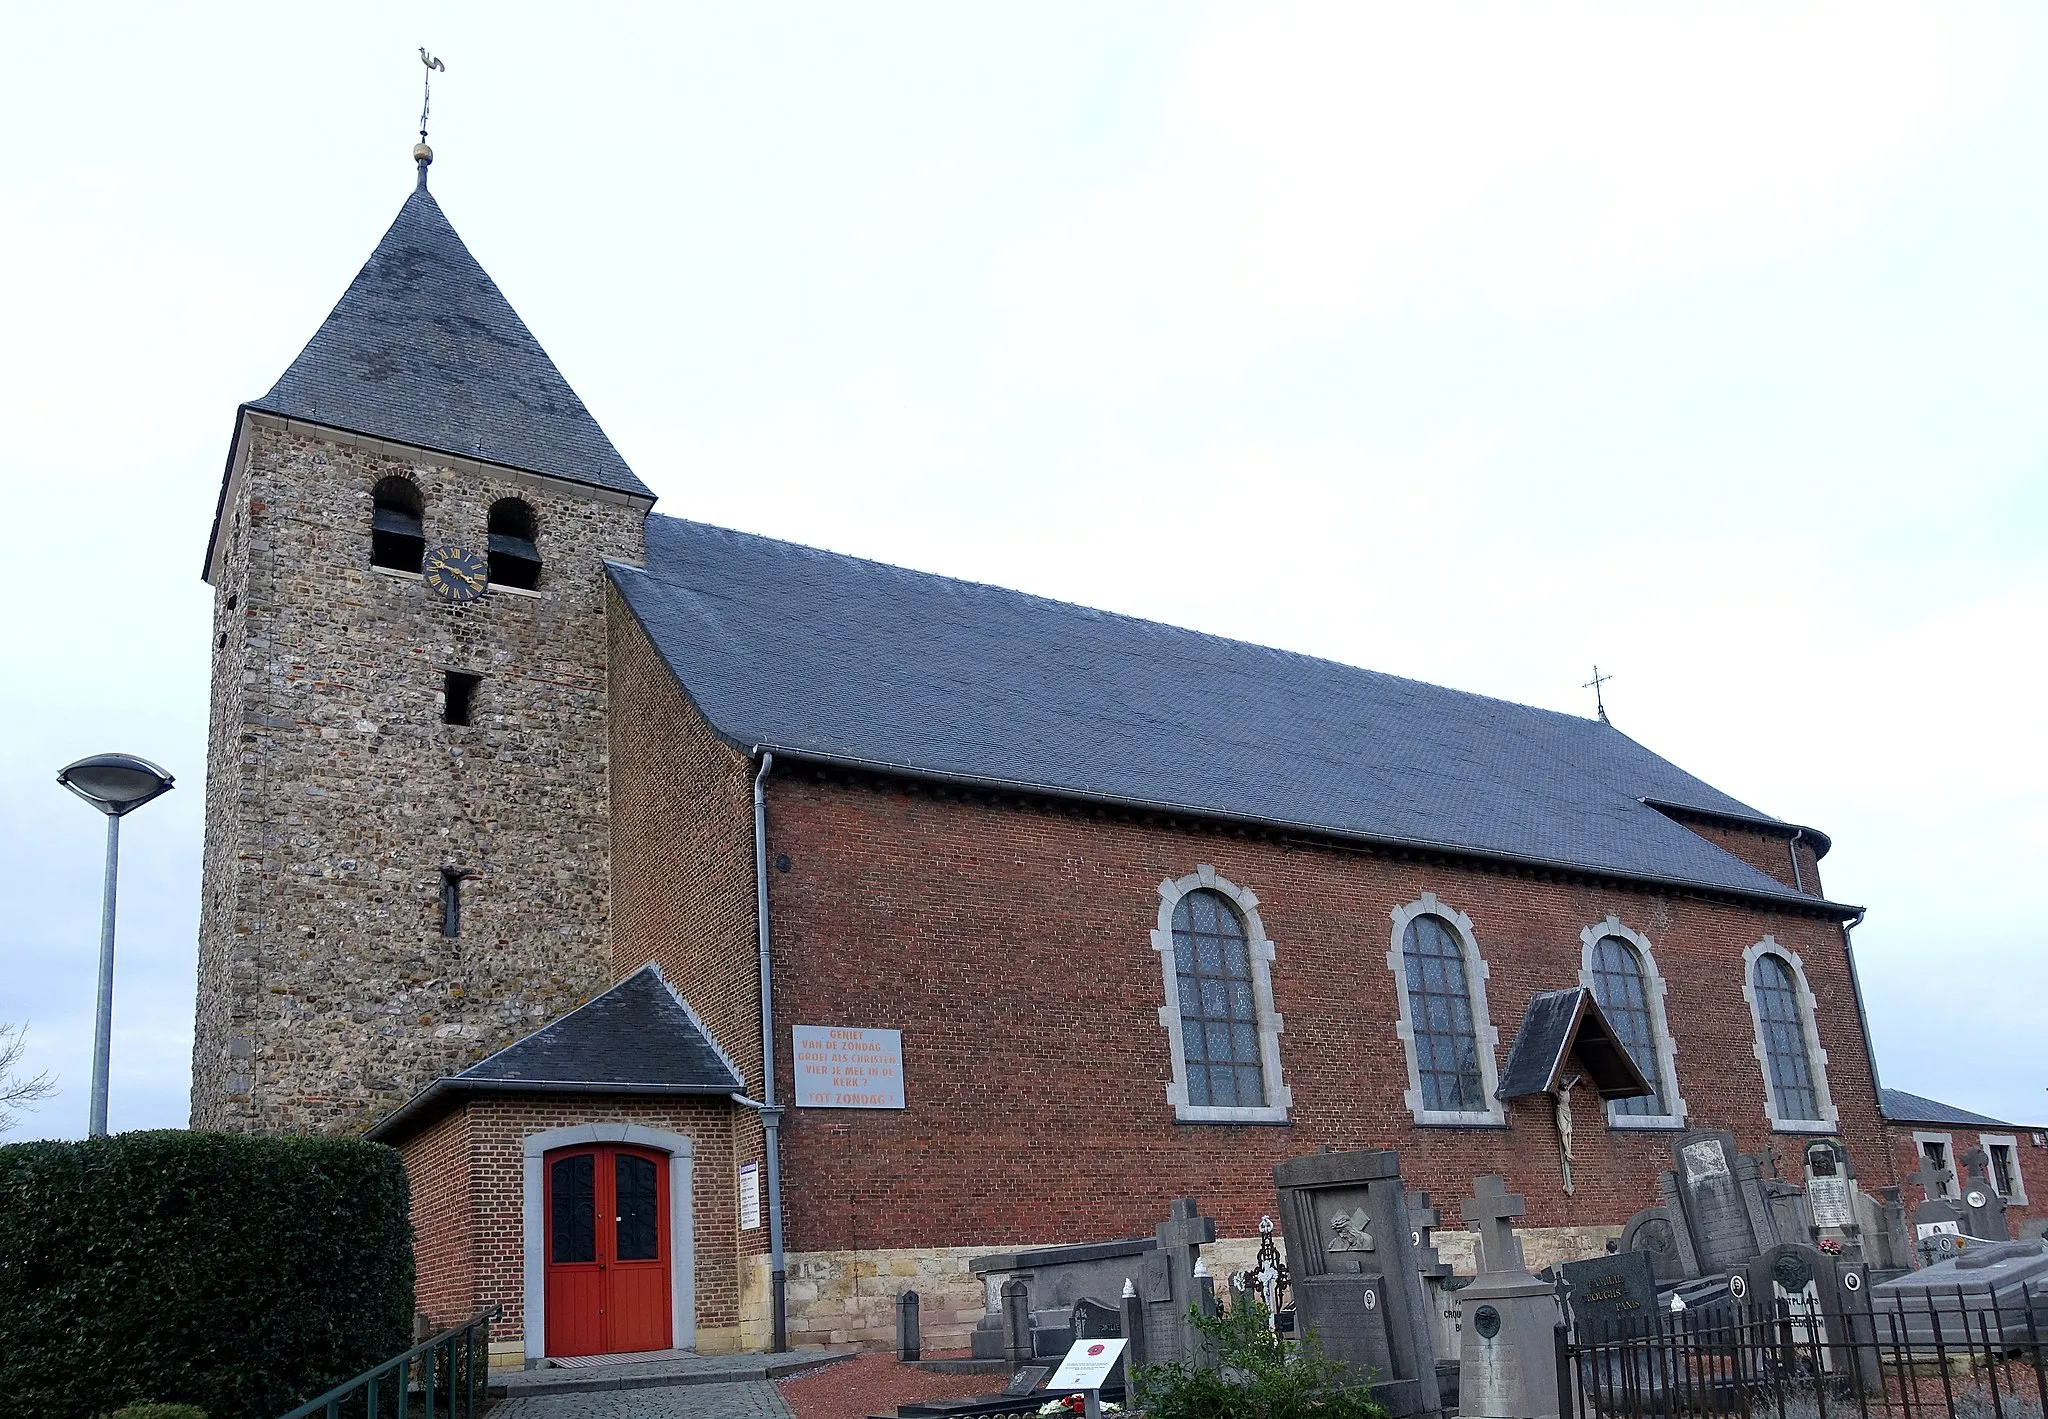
x: 115, y: 784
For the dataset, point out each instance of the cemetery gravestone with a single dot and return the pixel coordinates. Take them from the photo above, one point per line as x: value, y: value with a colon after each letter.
x: 1423, y: 1220
x: 1720, y: 1197
x: 1054, y: 1278
x: 1651, y: 1233
x: 1937, y: 1215
x: 1508, y: 1368
x: 1352, y: 1269
x: 1981, y: 1197
x: 1830, y: 1186
x: 1168, y: 1284
x: 1826, y: 1301
x: 1611, y: 1296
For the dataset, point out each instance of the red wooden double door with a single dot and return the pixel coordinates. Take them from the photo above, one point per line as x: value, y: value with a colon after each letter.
x: 607, y: 1274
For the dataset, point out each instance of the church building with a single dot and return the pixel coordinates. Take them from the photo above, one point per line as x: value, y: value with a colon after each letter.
x: 730, y: 934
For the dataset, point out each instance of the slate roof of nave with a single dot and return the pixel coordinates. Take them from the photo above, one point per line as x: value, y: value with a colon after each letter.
x: 818, y: 655
x: 1898, y: 1106
x: 424, y: 349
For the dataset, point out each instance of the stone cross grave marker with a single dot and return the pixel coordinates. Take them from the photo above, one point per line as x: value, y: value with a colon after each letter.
x: 1490, y: 1212
x: 1931, y: 1180
x: 1169, y: 1283
x: 1423, y: 1220
x: 1507, y: 1356
x: 1980, y: 1195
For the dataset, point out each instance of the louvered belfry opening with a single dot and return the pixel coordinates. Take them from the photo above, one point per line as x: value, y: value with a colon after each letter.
x: 515, y: 559
x: 398, y: 536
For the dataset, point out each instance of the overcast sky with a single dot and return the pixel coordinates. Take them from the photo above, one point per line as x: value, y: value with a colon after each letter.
x: 1476, y: 343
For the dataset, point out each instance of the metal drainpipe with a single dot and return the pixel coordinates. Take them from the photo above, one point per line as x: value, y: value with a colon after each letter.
x: 1798, y: 879
x: 1863, y: 1021
x: 771, y: 1113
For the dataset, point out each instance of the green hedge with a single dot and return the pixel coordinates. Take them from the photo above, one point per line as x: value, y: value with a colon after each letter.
x: 242, y: 1275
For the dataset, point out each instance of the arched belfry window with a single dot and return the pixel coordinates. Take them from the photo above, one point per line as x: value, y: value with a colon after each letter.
x: 1787, y: 1042
x: 397, y: 533
x: 1620, y: 969
x: 1220, y: 1022
x: 515, y: 557
x: 1442, y: 990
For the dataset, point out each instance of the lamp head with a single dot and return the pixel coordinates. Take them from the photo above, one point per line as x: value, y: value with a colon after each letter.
x: 115, y: 783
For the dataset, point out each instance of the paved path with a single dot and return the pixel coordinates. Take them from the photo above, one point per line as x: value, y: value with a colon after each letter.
x: 753, y: 1399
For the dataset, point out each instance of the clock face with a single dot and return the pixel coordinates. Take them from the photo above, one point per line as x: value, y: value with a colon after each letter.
x: 454, y: 574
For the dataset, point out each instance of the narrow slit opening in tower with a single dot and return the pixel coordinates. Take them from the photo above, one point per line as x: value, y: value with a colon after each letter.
x: 458, y: 696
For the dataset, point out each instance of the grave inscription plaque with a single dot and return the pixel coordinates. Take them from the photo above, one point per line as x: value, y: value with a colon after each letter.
x: 1612, y: 1295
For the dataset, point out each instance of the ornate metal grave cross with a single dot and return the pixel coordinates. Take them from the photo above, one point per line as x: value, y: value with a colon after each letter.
x: 1491, y: 1212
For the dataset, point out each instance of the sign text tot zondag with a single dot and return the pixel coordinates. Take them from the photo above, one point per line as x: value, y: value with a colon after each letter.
x: 838, y: 1067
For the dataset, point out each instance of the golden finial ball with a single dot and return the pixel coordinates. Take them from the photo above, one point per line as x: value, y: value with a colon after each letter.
x: 421, y: 153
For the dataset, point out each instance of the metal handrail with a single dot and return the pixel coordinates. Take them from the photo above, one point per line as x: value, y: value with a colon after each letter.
x: 366, y: 1383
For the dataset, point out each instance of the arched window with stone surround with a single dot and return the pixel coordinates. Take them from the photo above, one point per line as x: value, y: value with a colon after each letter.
x: 1441, y: 985
x: 1220, y: 1022
x: 1623, y: 989
x: 1440, y: 1002
x: 1787, y: 1044
x: 1779, y: 1016
x: 398, y: 537
x: 1620, y: 968
x: 514, y: 549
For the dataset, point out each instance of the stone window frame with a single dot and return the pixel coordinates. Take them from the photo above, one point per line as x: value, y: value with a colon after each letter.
x: 1816, y: 1055
x: 2011, y: 1143
x: 1476, y: 972
x: 1655, y: 988
x: 1953, y: 1188
x: 682, y: 1232
x: 1271, y: 1025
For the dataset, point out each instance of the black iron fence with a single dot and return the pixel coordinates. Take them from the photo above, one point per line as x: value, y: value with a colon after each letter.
x: 447, y: 1375
x: 1970, y: 1355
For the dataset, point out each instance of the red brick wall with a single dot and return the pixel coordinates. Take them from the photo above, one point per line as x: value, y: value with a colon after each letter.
x: 2032, y: 1161
x: 1768, y: 854
x: 443, y: 1219
x: 1010, y: 944
x: 474, y: 1255
x: 683, y: 862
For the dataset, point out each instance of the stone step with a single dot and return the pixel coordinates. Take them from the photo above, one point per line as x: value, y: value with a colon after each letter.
x: 630, y: 1373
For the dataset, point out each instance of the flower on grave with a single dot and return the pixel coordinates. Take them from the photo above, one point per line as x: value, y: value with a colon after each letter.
x: 1829, y: 1245
x: 1074, y: 1404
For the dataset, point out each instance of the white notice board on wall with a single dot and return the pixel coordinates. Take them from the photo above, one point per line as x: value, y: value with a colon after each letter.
x: 839, y: 1067
x: 750, y: 1196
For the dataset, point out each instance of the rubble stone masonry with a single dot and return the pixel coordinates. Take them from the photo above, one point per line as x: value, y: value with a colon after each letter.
x: 336, y: 795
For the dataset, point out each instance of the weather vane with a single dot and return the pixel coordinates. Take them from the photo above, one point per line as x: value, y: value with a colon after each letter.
x: 1594, y: 685
x: 423, y: 154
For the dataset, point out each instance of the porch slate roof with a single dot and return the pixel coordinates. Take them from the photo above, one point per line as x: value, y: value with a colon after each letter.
x: 638, y: 1037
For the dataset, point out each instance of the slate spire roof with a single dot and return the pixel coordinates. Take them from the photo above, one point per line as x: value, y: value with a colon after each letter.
x: 835, y: 659
x: 424, y: 349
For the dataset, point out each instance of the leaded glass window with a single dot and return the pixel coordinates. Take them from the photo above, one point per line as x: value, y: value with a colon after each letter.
x: 1219, y: 1017
x: 1440, y: 1010
x: 573, y: 1203
x: 1784, y: 1029
x: 1622, y: 987
x: 634, y: 1191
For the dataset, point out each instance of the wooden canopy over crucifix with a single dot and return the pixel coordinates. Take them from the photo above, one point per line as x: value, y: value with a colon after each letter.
x: 1558, y: 1025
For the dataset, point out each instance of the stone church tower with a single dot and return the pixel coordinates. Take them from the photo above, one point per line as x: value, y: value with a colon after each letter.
x: 408, y: 839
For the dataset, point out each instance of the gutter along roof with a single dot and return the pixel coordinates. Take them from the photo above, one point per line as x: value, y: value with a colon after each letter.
x: 845, y: 661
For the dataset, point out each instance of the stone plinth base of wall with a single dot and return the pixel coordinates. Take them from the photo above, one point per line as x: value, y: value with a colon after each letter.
x: 847, y: 1299
x: 1541, y: 1246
